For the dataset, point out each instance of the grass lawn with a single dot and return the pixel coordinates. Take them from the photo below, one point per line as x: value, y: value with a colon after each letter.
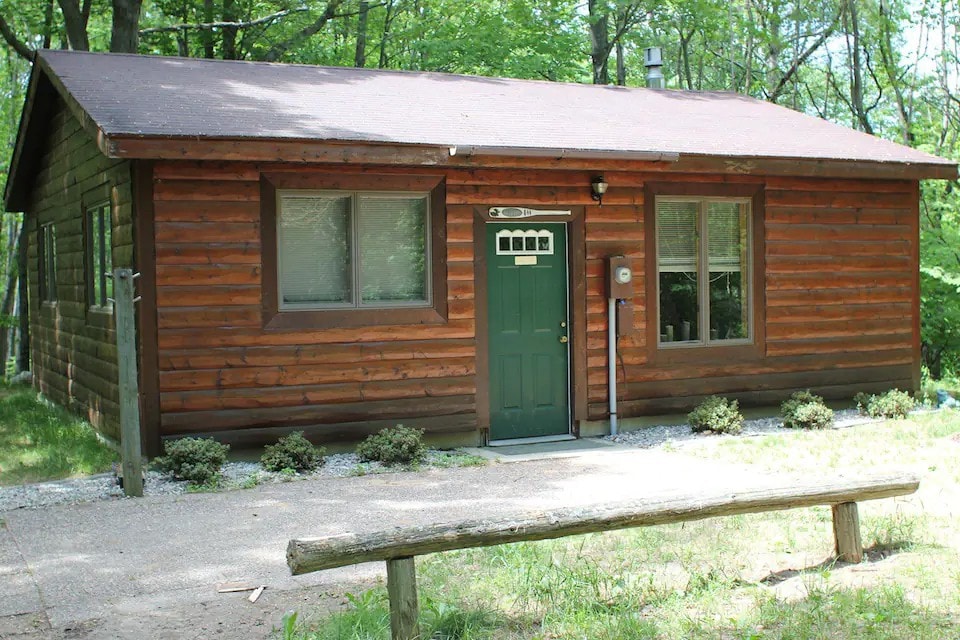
x: 742, y: 577
x: 40, y: 441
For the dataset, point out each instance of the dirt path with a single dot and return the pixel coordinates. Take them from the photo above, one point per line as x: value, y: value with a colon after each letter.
x: 149, y: 568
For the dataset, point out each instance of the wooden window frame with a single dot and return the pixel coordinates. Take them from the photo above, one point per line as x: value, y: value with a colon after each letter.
x: 356, y: 302
x: 100, y: 196
x: 703, y: 275
x: 47, y: 272
x: 715, y: 351
x: 92, y: 264
x: 276, y: 318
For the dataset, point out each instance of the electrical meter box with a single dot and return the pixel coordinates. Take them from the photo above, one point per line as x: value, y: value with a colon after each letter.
x: 619, y: 278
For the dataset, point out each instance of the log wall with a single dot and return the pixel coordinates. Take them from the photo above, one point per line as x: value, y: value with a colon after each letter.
x: 840, y: 305
x: 73, y: 350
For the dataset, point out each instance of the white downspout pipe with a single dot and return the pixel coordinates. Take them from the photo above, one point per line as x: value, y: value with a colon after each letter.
x: 612, y: 361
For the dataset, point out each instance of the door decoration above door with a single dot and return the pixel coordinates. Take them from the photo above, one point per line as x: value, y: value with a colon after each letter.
x: 524, y: 242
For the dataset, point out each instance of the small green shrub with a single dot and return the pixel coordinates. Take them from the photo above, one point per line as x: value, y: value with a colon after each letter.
x: 197, y: 460
x: 892, y: 404
x: 393, y: 445
x: 813, y: 416
x: 292, y: 452
x: 805, y: 410
x: 862, y: 400
x: 718, y: 415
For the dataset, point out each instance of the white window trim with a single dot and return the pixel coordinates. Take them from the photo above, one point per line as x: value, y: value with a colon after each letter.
x: 357, y: 303
x: 703, y: 275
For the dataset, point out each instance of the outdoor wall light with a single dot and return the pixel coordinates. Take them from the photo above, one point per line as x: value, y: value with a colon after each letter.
x: 598, y: 187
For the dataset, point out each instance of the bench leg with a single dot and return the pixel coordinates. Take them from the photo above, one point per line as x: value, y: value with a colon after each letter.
x: 846, y: 532
x: 402, y: 591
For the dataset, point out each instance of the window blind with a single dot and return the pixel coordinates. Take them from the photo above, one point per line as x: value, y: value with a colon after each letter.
x: 314, y: 250
x: 392, y: 244
x: 726, y: 237
x: 677, y: 236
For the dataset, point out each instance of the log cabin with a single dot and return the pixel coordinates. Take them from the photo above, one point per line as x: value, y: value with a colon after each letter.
x: 336, y: 250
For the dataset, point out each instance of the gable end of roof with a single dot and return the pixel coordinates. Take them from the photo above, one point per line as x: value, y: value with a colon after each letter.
x: 38, y: 108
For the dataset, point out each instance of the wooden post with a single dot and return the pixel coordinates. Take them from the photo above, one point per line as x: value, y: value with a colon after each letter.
x: 123, y: 294
x: 402, y: 592
x: 846, y: 532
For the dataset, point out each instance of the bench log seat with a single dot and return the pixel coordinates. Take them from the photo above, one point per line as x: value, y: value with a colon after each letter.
x: 398, y: 546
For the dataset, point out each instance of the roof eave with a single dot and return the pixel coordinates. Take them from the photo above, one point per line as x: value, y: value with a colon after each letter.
x: 819, y: 167
x: 357, y: 152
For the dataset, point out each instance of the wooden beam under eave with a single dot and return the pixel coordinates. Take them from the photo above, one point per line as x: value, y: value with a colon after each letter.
x: 308, y: 151
x: 275, y: 151
x: 816, y: 167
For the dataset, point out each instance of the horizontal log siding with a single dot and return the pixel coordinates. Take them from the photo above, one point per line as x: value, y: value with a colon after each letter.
x: 74, y: 352
x: 839, y: 273
x: 839, y: 306
x: 221, y: 372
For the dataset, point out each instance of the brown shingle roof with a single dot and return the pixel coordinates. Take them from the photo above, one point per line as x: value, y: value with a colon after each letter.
x: 180, y: 97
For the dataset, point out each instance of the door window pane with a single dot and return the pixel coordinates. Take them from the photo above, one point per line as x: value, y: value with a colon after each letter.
x: 314, y: 247
x: 392, y: 242
x: 678, y: 267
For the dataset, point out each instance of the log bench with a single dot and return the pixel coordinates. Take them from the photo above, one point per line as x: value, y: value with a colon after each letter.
x: 399, y: 546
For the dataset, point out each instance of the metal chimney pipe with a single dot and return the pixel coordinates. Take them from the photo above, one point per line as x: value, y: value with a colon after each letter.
x: 653, y: 61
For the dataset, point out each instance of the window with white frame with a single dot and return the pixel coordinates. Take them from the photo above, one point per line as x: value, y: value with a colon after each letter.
x: 338, y: 249
x: 703, y: 271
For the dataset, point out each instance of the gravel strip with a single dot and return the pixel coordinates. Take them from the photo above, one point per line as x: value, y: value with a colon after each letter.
x: 659, y: 435
x: 236, y: 475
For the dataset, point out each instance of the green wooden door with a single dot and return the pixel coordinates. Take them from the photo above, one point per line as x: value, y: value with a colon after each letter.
x: 528, y: 329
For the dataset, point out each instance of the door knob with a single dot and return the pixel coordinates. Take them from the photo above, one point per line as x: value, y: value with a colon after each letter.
x: 563, y: 339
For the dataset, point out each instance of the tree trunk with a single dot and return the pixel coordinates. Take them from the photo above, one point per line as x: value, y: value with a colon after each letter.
x: 893, y: 75
x: 230, y: 33
x: 856, y: 83
x: 23, y: 305
x: 621, y: 66
x: 599, y: 42
x: 126, y: 22
x: 206, y: 35
x: 360, y: 57
x: 48, y: 24
x: 685, y: 57
x: 387, y: 21
x: 74, y: 24
x: 9, y: 294
x: 748, y: 73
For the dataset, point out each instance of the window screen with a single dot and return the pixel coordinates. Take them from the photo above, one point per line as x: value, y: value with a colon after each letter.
x: 338, y: 250
x: 703, y: 270
x: 47, y: 272
x: 314, y: 250
x: 99, y: 258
